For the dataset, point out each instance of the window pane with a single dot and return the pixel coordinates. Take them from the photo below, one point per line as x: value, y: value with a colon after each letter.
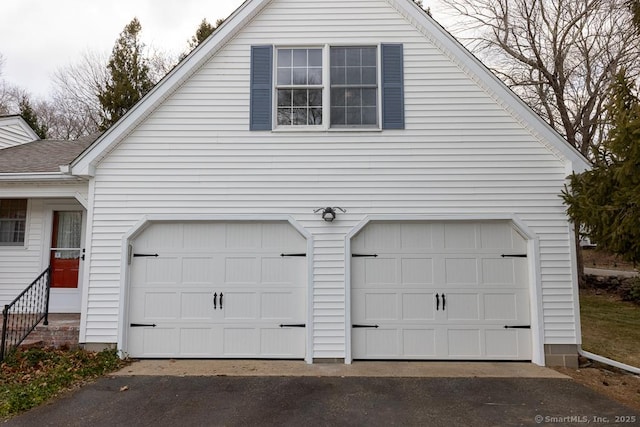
x: 353, y: 57
x: 369, y: 76
x: 338, y: 57
x: 369, y: 57
x: 13, y: 214
x: 284, y: 116
x: 300, y: 98
x: 315, y: 98
x: 315, y: 116
x: 369, y: 97
x: 369, y: 116
x: 338, y: 116
x: 354, y: 76
x: 299, y: 116
x: 300, y: 57
x: 299, y: 76
x: 353, y: 116
x: 338, y: 97
x: 284, y: 97
x: 354, y: 98
x: 315, y: 76
x: 284, y: 76
x: 284, y: 57
x: 315, y: 57
x: 338, y: 75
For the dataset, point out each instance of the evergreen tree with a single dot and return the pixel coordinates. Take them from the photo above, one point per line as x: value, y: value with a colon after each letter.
x: 29, y: 116
x: 606, y: 199
x: 129, y: 78
x: 205, y: 29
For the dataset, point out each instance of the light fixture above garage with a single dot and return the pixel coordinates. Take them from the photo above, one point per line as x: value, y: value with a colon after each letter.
x: 329, y: 213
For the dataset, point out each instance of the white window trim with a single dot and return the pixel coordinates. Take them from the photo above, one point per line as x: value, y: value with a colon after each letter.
x: 326, y: 91
x: 27, y: 219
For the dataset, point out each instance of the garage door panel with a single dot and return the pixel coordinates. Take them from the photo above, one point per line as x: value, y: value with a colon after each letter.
x: 242, y: 261
x: 243, y: 236
x: 240, y: 305
x: 416, y: 237
x: 419, y: 343
x: 241, y: 342
x: 461, y: 271
x: 464, y: 343
x: 460, y: 236
x: 461, y: 263
x: 197, y: 270
x: 164, y: 270
x: 417, y: 271
x: 284, y: 305
x: 507, y: 307
x: 161, y: 305
x: 196, y: 305
x: 282, y: 342
x: 461, y: 307
x: 418, y: 306
x: 376, y: 343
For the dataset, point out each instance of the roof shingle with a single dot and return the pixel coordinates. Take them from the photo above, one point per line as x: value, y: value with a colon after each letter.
x: 43, y: 155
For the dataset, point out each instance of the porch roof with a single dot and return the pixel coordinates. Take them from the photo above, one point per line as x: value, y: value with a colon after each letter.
x: 43, y: 155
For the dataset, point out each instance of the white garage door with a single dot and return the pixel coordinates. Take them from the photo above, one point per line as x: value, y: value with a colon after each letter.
x: 446, y: 290
x: 218, y: 290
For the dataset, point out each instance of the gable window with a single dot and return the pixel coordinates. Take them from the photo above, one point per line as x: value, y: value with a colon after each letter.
x: 330, y: 87
x: 13, y: 220
x: 299, y: 87
x: 354, y: 86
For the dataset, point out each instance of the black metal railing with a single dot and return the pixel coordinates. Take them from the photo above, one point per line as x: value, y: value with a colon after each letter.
x: 24, y: 313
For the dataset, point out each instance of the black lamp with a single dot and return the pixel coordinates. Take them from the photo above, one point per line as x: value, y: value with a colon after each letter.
x: 329, y: 213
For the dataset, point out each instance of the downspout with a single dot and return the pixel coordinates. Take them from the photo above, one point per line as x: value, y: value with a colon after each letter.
x: 607, y: 361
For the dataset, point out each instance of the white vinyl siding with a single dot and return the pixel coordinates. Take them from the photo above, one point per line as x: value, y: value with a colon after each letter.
x: 12, y: 132
x: 461, y: 153
x: 20, y: 265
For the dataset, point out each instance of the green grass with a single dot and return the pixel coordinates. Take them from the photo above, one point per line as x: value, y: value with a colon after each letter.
x: 30, y: 377
x: 610, y: 327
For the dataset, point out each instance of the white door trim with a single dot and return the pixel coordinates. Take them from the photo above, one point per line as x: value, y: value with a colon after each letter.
x: 50, y: 206
x: 147, y: 220
x: 537, y: 325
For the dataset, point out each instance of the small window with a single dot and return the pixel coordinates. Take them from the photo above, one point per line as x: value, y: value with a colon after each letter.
x: 13, y: 220
x: 299, y: 87
x: 354, y: 87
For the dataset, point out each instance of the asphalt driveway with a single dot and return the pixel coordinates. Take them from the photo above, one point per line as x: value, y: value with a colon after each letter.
x: 328, y: 401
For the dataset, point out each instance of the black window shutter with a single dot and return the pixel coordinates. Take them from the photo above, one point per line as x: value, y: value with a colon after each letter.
x: 392, y: 87
x: 261, y: 87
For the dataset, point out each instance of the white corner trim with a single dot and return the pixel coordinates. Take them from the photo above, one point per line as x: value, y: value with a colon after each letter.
x: 146, y: 220
x: 82, y: 200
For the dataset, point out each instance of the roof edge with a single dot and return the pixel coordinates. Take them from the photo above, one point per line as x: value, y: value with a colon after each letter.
x: 38, y: 176
x: 449, y: 43
x: 84, y: 164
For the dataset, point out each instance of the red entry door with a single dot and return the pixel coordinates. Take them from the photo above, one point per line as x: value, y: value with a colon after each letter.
x: 65, y: 249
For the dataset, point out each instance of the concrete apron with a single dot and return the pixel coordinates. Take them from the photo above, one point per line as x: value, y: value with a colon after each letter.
x: 287, y: 368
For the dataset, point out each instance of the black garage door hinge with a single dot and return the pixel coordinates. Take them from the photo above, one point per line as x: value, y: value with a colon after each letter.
x: 365, y: 326
x: 146, y: 255
x: 364, y: 255
x: 294, y: 325
x: 300, y: 255
x: 143, y: 325
x: 513, y: 255
x: 518, y: 327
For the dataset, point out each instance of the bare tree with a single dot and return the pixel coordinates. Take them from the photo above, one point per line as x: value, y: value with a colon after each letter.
x: 75, y: 96
x: 560, y: 56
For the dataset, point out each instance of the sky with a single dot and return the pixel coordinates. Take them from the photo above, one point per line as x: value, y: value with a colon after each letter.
x: 39, y: 36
